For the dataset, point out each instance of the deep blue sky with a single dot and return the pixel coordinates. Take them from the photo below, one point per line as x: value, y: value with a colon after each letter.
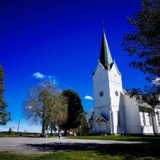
x: 61, y: 39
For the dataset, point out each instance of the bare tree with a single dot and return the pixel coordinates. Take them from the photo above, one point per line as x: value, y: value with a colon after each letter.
x: 43, y: 103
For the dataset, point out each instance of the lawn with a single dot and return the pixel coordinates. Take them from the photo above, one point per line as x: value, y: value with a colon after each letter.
x: 143, y: 138
x: 144, y: 151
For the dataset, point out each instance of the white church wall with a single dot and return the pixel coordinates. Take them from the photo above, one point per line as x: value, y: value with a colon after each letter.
x: 100, y: 79
x: 115, y: 85
x: 101, y: 100
x: 110, y: 100
x: 102, y: 110
x: 132, y: 116
x: 118, y: 121
x: 158, y: 129
x: 115, y: 75
x: 157, y: 119
x: 115, y: 93
x: 115, y: 121
x: 101, y: 103
x: 122, y: 127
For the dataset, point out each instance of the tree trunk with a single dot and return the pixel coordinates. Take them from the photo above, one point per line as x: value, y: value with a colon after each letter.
x: 65, y: 132
x: 43, y: 128
x: 51, y: 131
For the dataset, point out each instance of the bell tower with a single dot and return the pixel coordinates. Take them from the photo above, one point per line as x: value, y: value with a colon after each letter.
x: 107, y: 88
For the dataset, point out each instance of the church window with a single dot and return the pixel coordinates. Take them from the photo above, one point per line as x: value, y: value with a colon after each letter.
x: 144, y: 119
x: 101, y: 94
x: 150, y: 118
x: 116, y: 93
x: 158, y: 116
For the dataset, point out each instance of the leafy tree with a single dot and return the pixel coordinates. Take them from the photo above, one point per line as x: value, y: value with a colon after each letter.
x: 83, y: 129
x: 58, y: 115
x: 10, y: 131
x: 144, y: 41
x: 4, y: 115
x: 144, y: 45
x: 75, y: 110
x: 43, y: 103
x: 90, y: 123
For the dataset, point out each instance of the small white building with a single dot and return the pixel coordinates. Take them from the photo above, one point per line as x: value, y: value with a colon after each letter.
x: 114, y: 111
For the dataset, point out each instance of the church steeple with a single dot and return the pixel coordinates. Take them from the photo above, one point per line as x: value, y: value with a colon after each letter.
x: 105, y: 55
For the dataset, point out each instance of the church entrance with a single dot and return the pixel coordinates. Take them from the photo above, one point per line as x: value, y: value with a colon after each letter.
x: 104, y: 127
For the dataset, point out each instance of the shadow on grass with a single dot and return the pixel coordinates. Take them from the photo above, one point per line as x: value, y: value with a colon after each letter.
x: 128, y: 151
x: 131, y: 151
x: 58, y: 147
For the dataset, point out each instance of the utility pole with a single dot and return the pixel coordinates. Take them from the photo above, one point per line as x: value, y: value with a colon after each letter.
x: 18, y: 126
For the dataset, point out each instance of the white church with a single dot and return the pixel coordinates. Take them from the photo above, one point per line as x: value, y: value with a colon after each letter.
x: 114, y: 111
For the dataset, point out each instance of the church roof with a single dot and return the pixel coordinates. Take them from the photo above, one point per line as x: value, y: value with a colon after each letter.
x: 105, y: 55
x: 101, y: 117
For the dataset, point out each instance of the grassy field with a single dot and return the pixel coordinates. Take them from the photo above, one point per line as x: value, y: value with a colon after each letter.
x: 144, y: 151
x: 120, y: 138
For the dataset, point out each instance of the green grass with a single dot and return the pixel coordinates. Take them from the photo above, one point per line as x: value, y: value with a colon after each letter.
x: 109, y: 152
x: 119, y: 138
x: 9, y: 135
x: 20, y: 134
x: 143, y: 151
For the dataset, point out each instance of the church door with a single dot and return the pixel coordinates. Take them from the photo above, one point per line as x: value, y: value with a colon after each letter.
x: 103, y: 126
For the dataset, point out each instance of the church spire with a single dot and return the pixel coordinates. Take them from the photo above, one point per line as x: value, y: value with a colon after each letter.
x: 105, y: 55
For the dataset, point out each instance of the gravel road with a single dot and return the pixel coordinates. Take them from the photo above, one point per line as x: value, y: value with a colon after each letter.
x: 47, y: 145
